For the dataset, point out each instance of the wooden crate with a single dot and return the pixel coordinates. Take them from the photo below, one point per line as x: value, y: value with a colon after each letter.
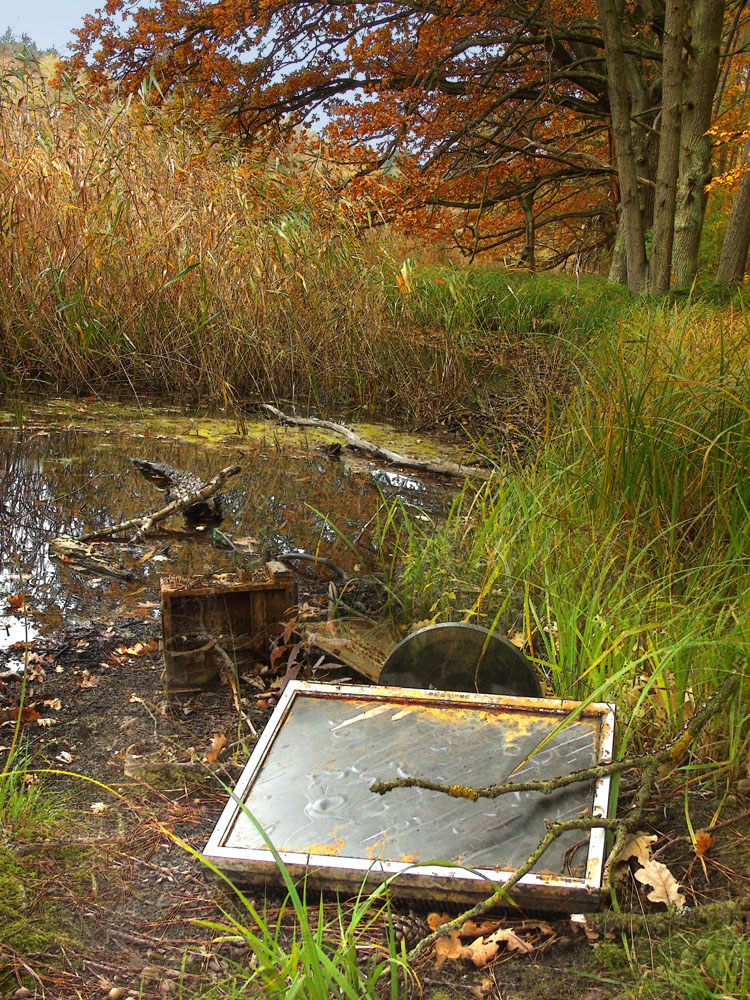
x: 205, y: 620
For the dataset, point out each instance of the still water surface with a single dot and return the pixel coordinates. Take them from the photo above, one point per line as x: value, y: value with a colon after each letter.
x: 72, y: 480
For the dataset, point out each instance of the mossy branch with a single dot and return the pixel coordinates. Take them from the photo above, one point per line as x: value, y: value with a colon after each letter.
x: 650, y: 763
x: 670, y: 751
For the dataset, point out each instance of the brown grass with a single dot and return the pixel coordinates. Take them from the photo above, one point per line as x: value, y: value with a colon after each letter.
x: 140, y: 252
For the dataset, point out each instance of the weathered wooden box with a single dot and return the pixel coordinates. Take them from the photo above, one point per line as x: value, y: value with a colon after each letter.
x: 229, y: 615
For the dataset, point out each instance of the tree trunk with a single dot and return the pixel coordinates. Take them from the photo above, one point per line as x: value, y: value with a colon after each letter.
x: 734, y: 252
x: 695, y: 156
x: 618, y: 266
x: 528, y: 257
x: 669, y: 148
x: 620, y: 108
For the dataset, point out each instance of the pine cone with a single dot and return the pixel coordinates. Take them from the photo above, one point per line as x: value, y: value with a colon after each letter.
x: 409, y: 928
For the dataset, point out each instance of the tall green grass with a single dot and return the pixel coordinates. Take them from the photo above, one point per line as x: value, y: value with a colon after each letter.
x: 619, y: 552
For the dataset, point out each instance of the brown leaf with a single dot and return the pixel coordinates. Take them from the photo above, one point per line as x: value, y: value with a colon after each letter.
x: 703, y: 843
x: 664, y: 886
x: 484, y: 949
x: 16, y: 601
x: 434, y: 920
x: 481, y: 951
x: 289, y: 627
x: 448, y: 947
x: 218, y: 743
x: 637, y: 845
x: 11, y: 714
x: 579, y: 922
x: 507, y: 936
x: 470, y: 929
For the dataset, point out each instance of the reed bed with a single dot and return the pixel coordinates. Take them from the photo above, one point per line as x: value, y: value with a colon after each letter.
x: 143, y: 253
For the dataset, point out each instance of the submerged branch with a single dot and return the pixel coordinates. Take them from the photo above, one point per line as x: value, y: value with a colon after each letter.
x: 437, y: 465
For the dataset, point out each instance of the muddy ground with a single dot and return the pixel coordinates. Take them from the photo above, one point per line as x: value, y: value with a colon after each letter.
x: 112, y: 898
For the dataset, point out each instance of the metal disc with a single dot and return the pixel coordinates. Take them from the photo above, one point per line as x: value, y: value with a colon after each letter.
x: 456, y: 656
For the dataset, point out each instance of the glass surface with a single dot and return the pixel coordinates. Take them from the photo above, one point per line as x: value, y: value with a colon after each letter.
x: 312, y: 790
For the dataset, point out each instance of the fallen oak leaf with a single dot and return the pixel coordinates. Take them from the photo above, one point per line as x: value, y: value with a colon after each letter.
x: 508, y: 937
x: 484, y: 949
x: 471, y: 929
x: 664, y: 886
x: 12, y: 715
x: 481, y: 952
x: 218, y: 743
x: 434, y: 920
x: 449, y: 947
x: 704, y: 841
x: 16, y: 601
x: 637, y: 845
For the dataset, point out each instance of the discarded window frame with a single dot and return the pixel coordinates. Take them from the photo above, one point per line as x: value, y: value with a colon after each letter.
x: 308, y: 782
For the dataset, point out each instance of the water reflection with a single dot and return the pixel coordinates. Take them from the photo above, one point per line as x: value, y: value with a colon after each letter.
x: 73, y: 481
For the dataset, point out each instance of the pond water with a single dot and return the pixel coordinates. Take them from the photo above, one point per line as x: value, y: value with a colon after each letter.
x: 60, y: 475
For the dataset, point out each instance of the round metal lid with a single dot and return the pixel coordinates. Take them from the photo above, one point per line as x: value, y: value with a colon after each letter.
x: 456, y: 656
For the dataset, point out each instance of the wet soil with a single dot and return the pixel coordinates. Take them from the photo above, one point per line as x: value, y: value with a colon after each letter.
x: 115, y: 898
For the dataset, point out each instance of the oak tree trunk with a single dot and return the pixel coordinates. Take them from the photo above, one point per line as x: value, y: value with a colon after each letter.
x: 528, y: 257
x: 669, y: 148
x: 734, y: 251
x: 618, y: 266
x: 620, y: 111
x: 699, y: 88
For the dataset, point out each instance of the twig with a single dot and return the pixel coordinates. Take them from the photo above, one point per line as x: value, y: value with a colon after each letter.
x: 651, y: 764
x: 554, y: 830
x: 670, y: 751
x: 82, y: 842
x: 145, y: 523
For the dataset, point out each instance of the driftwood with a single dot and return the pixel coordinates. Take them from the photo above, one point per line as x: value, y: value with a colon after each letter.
x: 435, y: 465
x: 146, y: 523
x: 85, y: 559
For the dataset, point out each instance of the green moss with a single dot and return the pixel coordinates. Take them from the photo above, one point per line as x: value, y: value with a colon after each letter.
x: 213, y: 431
x: 22, y: 932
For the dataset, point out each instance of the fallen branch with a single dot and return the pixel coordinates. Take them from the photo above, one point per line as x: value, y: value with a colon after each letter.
x: 670, y: 751
x: 436, y: 465
x: 650, y: 763
x: 84, y: 558
x: 145, y: 523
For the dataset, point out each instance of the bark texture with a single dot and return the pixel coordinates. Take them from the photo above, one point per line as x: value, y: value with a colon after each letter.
x: 734, y: 252
x: 669, y: 148
x: 620, y: 110
x: 528, y: 257
x: 699, y: 89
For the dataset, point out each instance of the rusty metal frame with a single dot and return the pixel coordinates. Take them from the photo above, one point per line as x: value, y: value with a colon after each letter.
x: 542, y: 890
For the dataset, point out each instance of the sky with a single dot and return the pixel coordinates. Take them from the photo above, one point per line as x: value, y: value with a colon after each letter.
x: 46, y: 22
